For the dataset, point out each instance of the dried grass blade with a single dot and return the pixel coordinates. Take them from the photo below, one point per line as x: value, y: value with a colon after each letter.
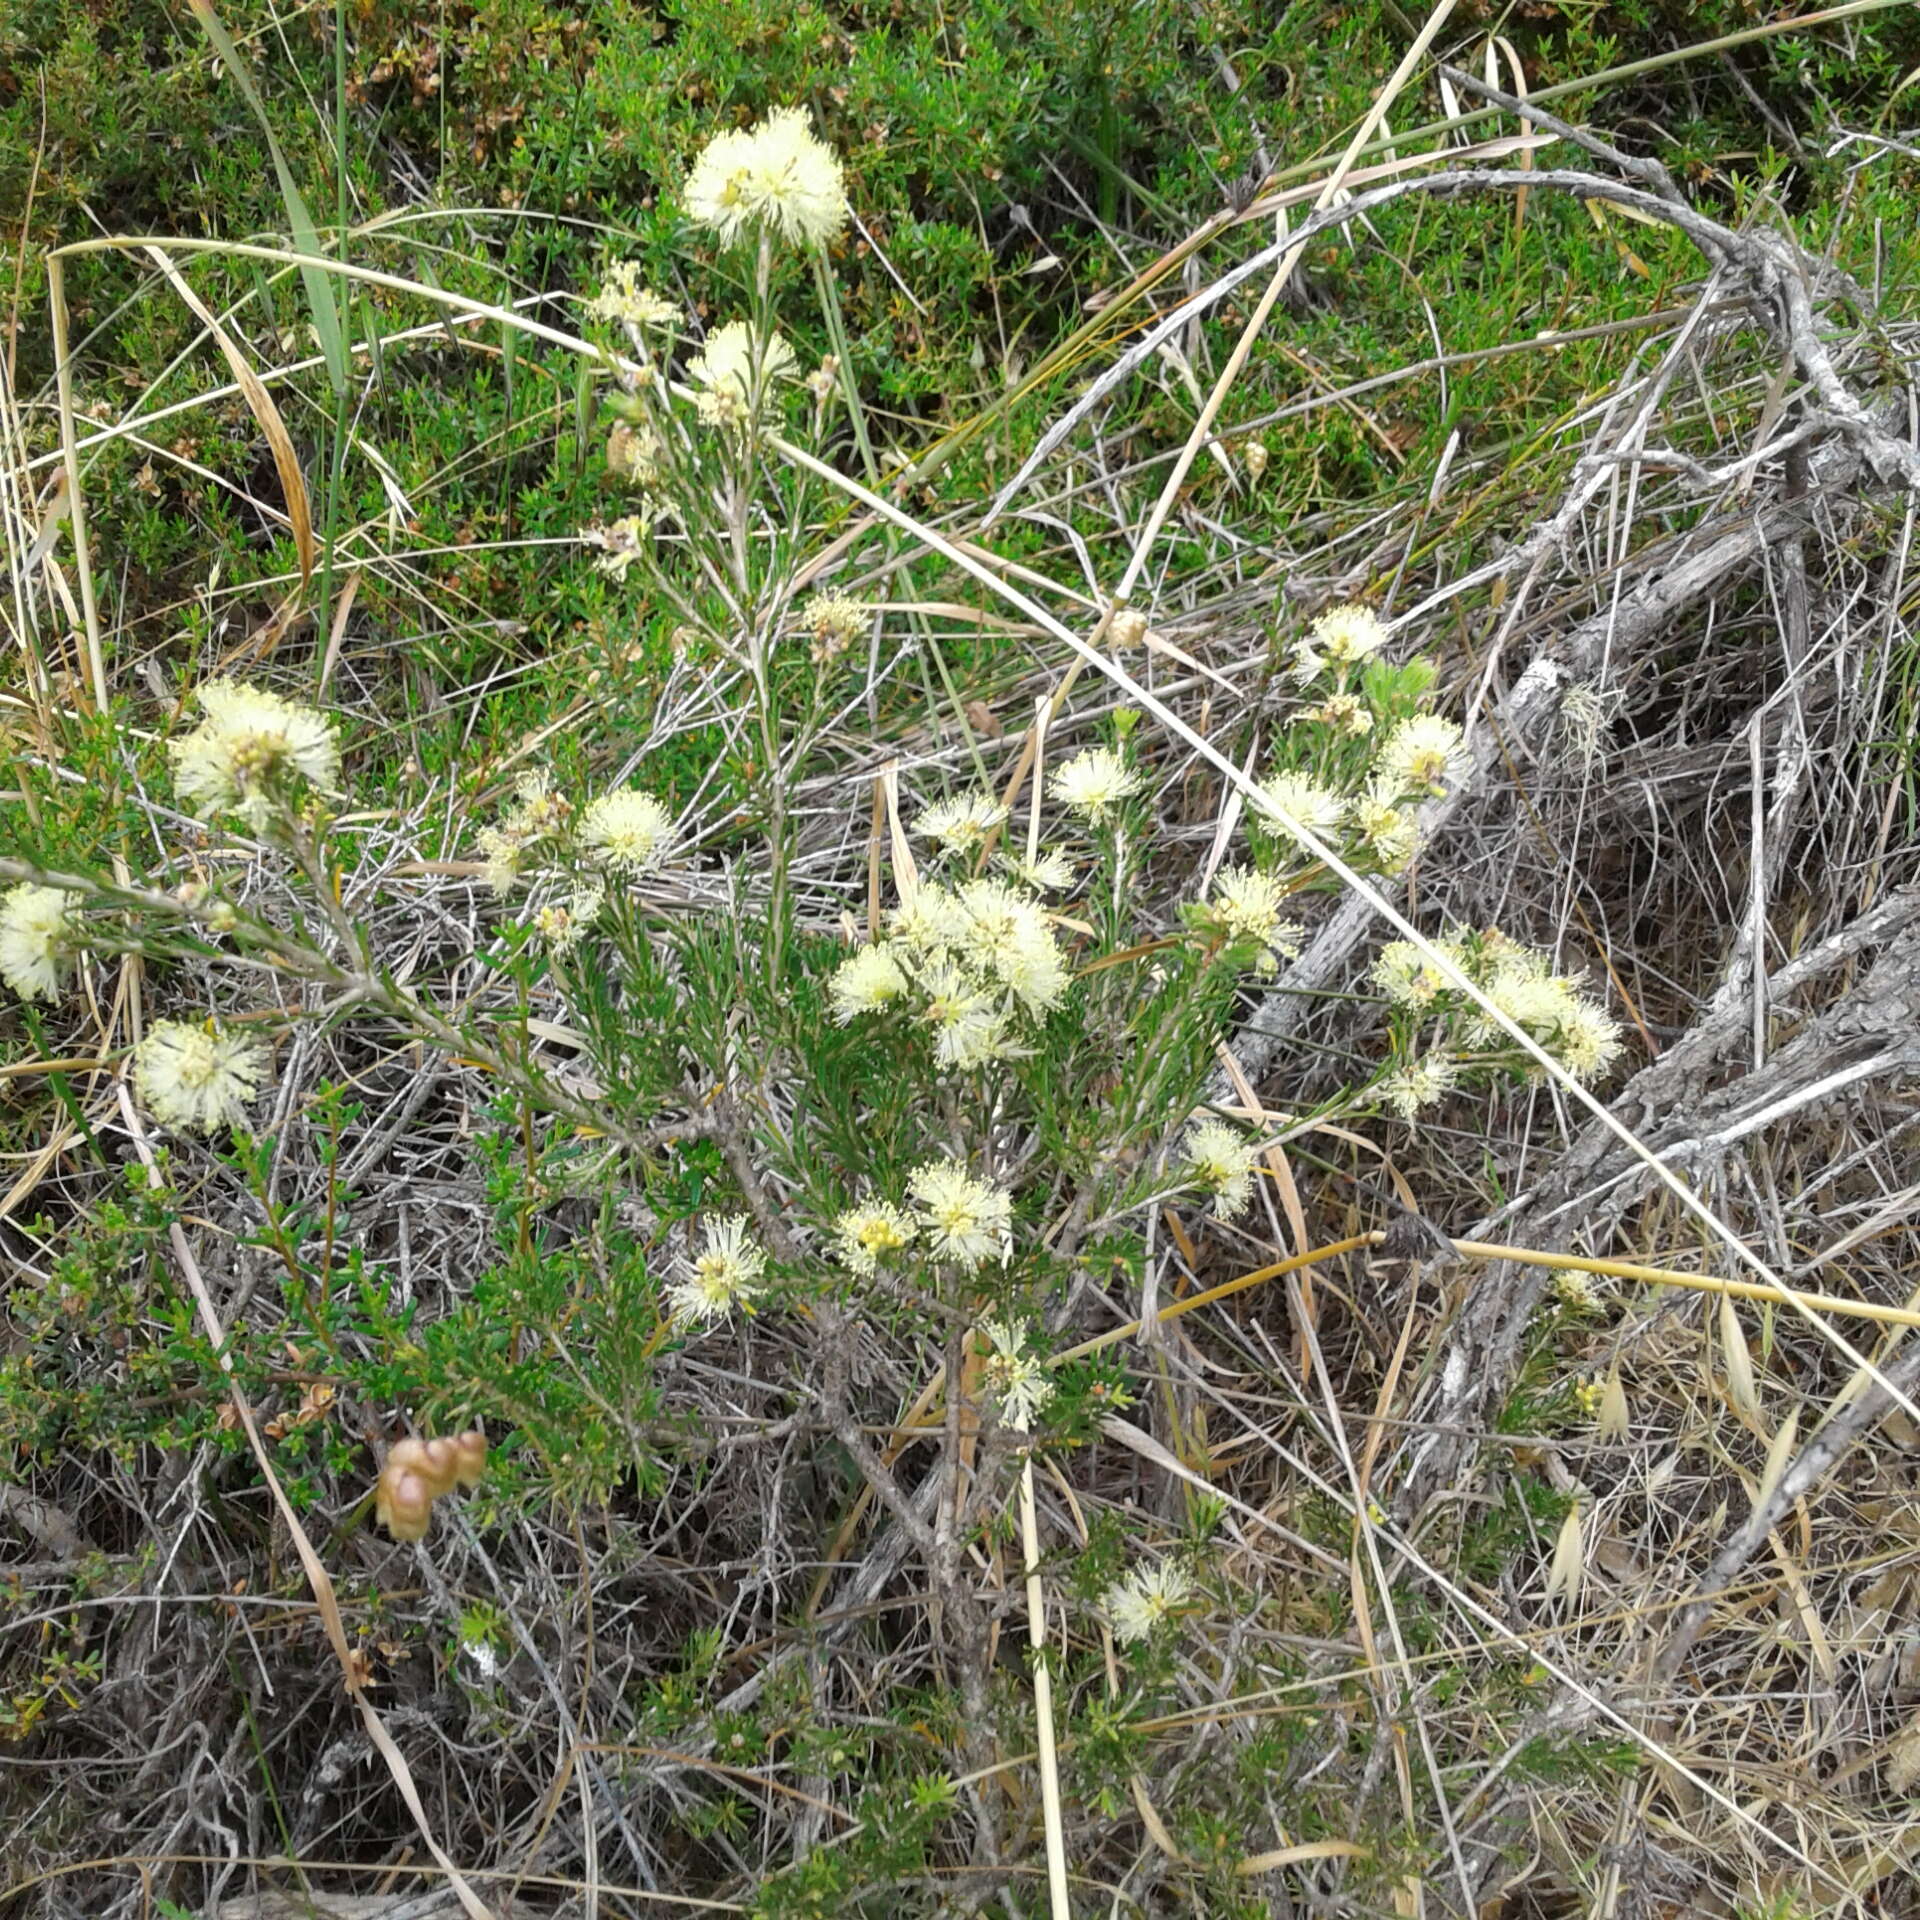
x: 286, y: 462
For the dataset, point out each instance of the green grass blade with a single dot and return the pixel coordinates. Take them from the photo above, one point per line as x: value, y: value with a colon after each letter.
x: 306, y: 237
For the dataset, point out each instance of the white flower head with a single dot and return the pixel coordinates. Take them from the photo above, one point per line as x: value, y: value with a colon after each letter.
x: 1407, y: 977
x: 930, y: 923
x: 965, y: 1220
x: 1007, y: 936
x: 35, y: 926
x: 961, y: 823
x: 623, y: 298
x: 836, y: 621
x: 1588, y: 1042
x: 1221, y: 1161
x: 778, y: 177
x: 725, y: 1273
x: 1048, y: 872
x: 865, y: 982
x: 1390, y: 830
x: 247, y: 750
x: 1246, y: 906
x: 1424, y: 1083
x: 1341, y: 637
x: 539, y: 812
x: 1423, y: 755
x: 625, y: 831
x: 1146, y: 1597
x: 1093, y: 783
x: 969, y: 1026
x: 1297, y: 800
x: 871, y: 1233
x: 621, y: 542
x: 739, y: 373
x: 191, y: 1075
x: 1014, y: 1378
x: 564, y: 927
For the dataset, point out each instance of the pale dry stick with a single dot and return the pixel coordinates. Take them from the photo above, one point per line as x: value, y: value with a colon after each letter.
x: 1448, y: 969
x: 317, y: 1576
x: 76, y: 506
x: 1058, y: 1900
x: 1282, y: 273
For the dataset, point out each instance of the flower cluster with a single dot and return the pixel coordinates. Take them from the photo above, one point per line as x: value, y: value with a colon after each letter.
x: 36, y: 929
x: 736, y: 374
x: 970, y: 961
x: 1146, y: 1597
x: 1093, y: 784
x: 250, y: 752
x: 1246, y: 910
x: 539, y: 814
x: 1549, y: 1007
x: 1015, y: 1379
x: 625, y: 833
x: 872, y: 1233
x: 964, y: 1221
x: 961, y: 824
x: 1342, y: 637
x: 778, y: 179
x: 835, y: 622
x: 193, y: 1076
x: 726, y: 1273
x: 623, y: 299
x: 1221, y: 1162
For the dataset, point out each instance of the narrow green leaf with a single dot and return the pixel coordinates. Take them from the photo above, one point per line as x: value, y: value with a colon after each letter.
x: 306, y: 237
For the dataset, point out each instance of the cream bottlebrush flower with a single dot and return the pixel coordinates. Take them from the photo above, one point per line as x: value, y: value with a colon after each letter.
x: 621, y: 542
x: 969, y: 1029
x: 930, y: 924
x: 623, y: 298
x: 1341, y: 637
x: 35, y: 925
x: 726, y: 1273
x: 1408, y: 978
x: 965, y: 1220
x: 1345, y: 712
x: 1093, y: 783
x: 961, y: 823
x: 250, y: 745
x: 1008, y: 936
x: 869, y: 1234
x: 1014, y: 1379
x: 1246, y: 905
x: 1221, y: 1161
x: 634, y: 454
x: 1530, y: 996
x: 625, y: 831
x: 735, y: 368
x: 1424, y: 1083
x: 1390, y: 831
x: 539, y: 812
x: 779, y: 177
x: 1049, y: 872
x: 1423, y: 755
x: 865, y: 982
x: 564, y: 927
x: 836, y: 621
x: 1296, y: 799
x: 1588, y: 1042
x: 1147, y: 1596
x: 191, y: 1075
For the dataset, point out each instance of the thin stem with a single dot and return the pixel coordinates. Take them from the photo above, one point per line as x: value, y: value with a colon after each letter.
x: 1043, y: 1702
